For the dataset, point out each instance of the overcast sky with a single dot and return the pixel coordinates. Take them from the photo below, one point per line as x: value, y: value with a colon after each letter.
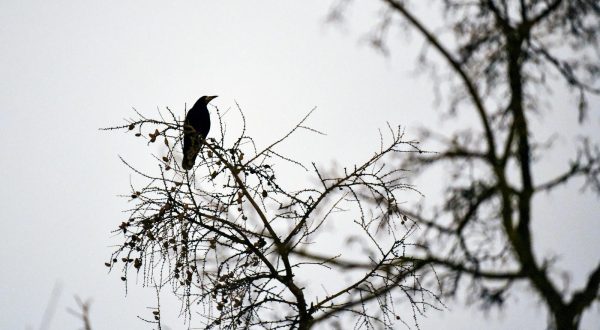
x: 70, y: 67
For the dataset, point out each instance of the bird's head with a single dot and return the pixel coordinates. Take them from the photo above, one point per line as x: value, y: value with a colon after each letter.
x: 207, y: 99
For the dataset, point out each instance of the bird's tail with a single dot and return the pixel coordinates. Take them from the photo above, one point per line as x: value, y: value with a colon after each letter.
x: 187, y: 164
x: 190, y: 154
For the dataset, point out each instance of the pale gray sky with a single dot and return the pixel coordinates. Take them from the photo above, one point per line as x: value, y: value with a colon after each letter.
x: 69, y: 67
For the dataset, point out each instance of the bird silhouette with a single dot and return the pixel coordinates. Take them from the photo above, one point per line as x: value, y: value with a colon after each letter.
x: 196, y: 125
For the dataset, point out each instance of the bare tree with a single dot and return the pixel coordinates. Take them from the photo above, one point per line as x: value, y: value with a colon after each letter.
x: 84, y: 313
x: 243, y: 251
x: 499, y: 59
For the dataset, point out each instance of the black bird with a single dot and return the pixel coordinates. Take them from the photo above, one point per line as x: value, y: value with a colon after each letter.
x: 196, y: 125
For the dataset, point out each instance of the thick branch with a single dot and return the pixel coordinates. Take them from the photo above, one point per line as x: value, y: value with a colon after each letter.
x: 472, y: 90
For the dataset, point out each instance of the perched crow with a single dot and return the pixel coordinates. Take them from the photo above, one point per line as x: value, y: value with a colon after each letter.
x: 197, y: 123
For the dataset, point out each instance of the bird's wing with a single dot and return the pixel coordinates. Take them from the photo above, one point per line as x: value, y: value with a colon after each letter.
x: 191, y: 146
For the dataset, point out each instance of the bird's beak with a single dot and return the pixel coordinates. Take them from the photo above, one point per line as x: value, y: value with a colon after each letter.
x: 210, y: 98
